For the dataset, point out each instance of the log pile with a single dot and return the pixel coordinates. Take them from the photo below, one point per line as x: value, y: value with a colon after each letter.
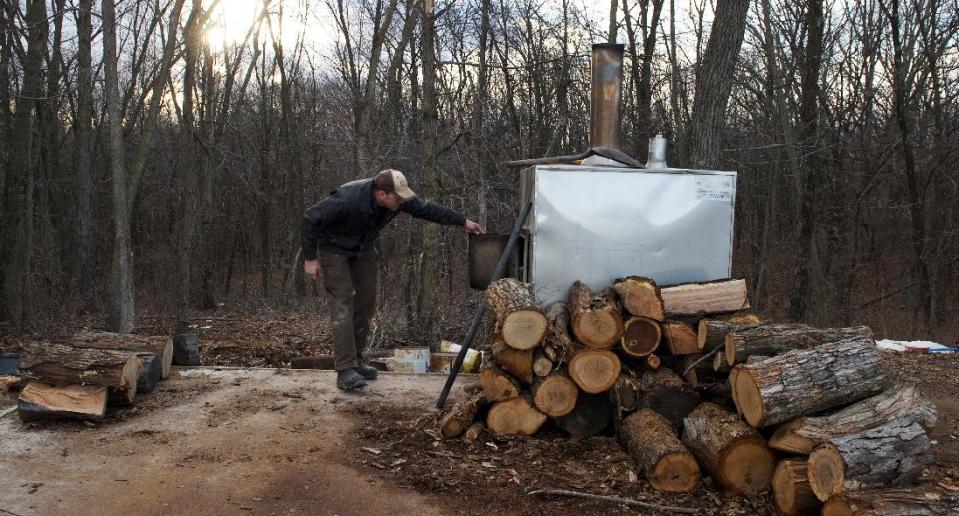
x: 78, y: 377
x: 692, y: 383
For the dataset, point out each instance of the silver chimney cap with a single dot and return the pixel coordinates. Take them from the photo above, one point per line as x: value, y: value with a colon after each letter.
x: 657, y: 152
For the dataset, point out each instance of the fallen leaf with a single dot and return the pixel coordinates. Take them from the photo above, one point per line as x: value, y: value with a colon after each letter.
x: 374, y: 451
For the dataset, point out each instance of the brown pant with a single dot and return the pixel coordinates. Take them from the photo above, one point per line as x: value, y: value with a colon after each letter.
x: 351, y: 286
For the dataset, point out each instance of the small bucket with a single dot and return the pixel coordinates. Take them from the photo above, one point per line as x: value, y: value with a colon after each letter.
x: 417, y: 357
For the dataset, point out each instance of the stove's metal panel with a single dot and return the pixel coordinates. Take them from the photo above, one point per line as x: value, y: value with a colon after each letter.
x: 596, y: 224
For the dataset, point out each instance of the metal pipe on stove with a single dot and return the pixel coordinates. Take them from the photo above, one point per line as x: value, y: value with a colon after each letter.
x: 607, y: 94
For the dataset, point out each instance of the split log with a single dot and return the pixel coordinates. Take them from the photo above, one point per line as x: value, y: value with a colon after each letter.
x: 151, y: 370
x: 792, y: 494
x: 653, y: 444
x: 666, y: 393
x: 902, y: 403
x: 889, y: 455
x: 712, y: 333
x: 461, y: 416
x: 555, y: 395
x: 557, y: 333
x: 42, y: 401
x: 733, y: 452
x: 681, y: 338
x: 596, y: 320
x: 641, y: 336
x: 802, y: 382
x: 926, y: 500
x: 474, y: 431
x: 700, y: 299
x: 595, y: 370
x: 542, y: 365
x: 161, y: 346
x: 515, y: 416
x: 591, y: 416
x: 775, y: 339
x: 59, y: 364
x: 497, y: 385
x: 653, y: 362
x: 519, y: 322
x: 640, y: 297
x: 741, y: 317
x: 517, y: 362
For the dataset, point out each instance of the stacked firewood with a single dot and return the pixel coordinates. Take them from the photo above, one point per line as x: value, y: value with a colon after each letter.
x: 77, y: 377
x: 692, y: 383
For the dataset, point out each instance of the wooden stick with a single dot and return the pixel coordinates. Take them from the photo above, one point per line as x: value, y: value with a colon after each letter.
x: 613, y: 499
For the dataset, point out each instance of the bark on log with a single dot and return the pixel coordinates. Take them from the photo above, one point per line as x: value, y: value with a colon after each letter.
x: 516, y: 362
x: 497, y: 385
x: 712, y: 333
x: 515, y: 416
x: 681, y: 338
x: 641, y: 336
x: 889, y: 455
x: 591, y: 416
x: 542, y: 365
x: 665, y: 393
x: 555, y: 395
x: 802, y: 382
x: 557, y: 333
x: 60, y: 365
x: 926, y: 500
x: 776, y: 339
x: 519, y: 322
x: 42, y: 401
x: 627, y: 394
x: 700, y: 299
x: 731, y: 381
x: 594, y: 370
x: 741, y: 317
x: 901, y: 403
x: 640, y: 297
x: 792, y: 494
x: 151, y: 370
x: 702, y: 374
x: 162, y: 346
x: 474, y: 431
x: 656, y: 449
x: 733, y: 452
x: 461, y: 416
x: 595, y: 318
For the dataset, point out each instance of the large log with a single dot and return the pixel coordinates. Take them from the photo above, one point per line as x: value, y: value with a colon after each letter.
x: 595, y: 318
x: 802, y: 382
x: 591, y: 416
x: 792, y: 494
x: 925, y: 500
x: 775, y: 339
x: 60, y: 365
x: 497, y: 385
x: 712, y: 333
x: 901, y: 403
x: 515, y: 416
x: 594, y: 370
x: 681, y: 338
x: 517, y: 362
x: 42, y: 401
x: 733, y: 452
x: 700, y: 299
x: 889, y: 455
x: 162, y: 346
x: 461, y: 416
x: 666, y: 393
x: 555, y: 395
x: 519, y: 322
x: 641, y: 336
x: 656, y: 449
x: 640, y: 297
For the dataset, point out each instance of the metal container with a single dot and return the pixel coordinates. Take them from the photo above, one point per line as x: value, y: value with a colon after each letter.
x: 413, y: 359
x: 484, y: 253
x: 596, y: 224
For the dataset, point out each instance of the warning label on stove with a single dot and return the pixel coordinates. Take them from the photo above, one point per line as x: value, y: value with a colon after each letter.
x: 714, y: 188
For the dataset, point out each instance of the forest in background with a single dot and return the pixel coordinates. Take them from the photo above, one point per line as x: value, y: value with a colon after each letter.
x: 157, y: 155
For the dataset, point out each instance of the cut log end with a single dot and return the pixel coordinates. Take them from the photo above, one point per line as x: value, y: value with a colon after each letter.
x: 598, y: 329
x: 497, y: 386
x: 653, y: 362
x: 791, y: 492
x: 641, y: 336
x: 836, y: 506
x: 785, y: 439
x: 595, y: 371
x: 675, y: 473
x: 748, y: 398
x: 826, y: 472
x: 555, y: 396
x: 39, y: 401
x: 523, y: 329
x: 747, y: 466
x: 514, y: 417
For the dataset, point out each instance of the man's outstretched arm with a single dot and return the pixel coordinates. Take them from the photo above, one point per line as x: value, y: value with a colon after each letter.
x: 422, y: 209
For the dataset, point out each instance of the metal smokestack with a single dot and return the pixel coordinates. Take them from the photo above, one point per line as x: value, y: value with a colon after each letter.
x: 657, y: 152
x: 607, y: 94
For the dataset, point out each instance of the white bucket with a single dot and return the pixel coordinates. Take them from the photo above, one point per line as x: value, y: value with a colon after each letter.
x: 418, y: 358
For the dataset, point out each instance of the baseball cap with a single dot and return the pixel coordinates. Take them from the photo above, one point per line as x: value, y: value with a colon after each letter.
x: 391, y: 180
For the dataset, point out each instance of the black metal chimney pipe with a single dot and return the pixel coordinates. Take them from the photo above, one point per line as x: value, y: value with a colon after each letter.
x: 607, y: 95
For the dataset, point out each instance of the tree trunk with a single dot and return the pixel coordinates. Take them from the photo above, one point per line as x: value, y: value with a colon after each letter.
x: 701, y: 299
x: 925, y: 500
x: 84, y: 138
x: 712, y: 333
x: 519, y: 322
x: 664, y: 392
x: 518, y: 363
x: 776, y: 339
x: 901, y: 404
x: 555, y: 395
x: 461, y: 416
x: 39, y: 401
x: 596, y: 321
x: 653, y: 444
x: 161, y: 346
x: 591, y: 415
x: 681, y: 338
x: 641, y: 337
x: 802, y: 382
x: 733, y: 452
x: 792, y: 493
x: 58, y: 364
x: 515, y: 416
x: 594, y: 370
x: 893, y: 454
x: 640, y: 296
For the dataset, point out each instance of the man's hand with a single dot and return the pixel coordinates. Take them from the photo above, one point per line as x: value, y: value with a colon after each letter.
x: 473, y: 227
x: 311, y: 267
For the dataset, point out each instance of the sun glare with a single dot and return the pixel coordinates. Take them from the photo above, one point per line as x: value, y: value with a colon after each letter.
x: 232, y: 19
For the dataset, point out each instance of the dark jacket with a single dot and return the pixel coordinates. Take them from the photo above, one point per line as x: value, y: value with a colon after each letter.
x: 349, y: 220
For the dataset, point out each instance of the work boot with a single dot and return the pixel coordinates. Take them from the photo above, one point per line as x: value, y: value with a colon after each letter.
x: 349, y: 379
x: 368, y: 372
